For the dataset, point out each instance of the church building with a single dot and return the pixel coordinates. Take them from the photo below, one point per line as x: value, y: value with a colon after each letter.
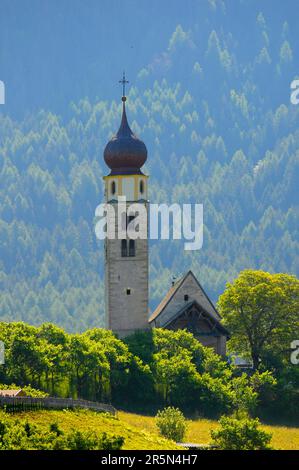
x: 185, y: 305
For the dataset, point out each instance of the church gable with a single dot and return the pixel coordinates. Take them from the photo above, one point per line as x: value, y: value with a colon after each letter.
x: 187, y: 306
x: 185, y: 290
x: 196, y: 320
x: 202, y: 325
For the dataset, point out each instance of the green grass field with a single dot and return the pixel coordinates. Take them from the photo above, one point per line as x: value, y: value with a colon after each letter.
x: 140, y: 431
x: 83, y: 420
x: 199, y: 430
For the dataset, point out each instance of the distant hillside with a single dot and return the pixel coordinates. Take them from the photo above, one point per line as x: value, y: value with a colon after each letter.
x: 211, y: 99
x: 53, y: 52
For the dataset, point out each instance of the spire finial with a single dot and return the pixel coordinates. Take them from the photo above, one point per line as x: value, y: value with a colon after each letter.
x: 124, y: 82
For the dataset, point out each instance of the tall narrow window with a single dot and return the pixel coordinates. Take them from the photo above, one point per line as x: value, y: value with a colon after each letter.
x: 141, y: 187
x: 113, y: 187
x: 124, y: 249
x: 132, y: 248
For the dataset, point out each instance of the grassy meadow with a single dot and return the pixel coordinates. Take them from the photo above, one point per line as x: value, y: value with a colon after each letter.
x: 85, y: 420
x: 140, y: 431
x: 283, y: 437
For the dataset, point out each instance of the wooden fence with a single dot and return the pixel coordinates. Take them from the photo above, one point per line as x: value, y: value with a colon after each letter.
x: 13, y: 404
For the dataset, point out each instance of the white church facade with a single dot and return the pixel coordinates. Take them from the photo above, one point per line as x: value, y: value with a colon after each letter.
x: 185, y: 305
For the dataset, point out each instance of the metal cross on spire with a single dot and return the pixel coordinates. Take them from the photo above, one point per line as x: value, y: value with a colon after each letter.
x: 124, y: 82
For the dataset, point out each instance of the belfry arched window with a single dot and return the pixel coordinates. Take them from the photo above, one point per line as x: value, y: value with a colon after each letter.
x: 113, y: 188
x: 141, y: 187
x: 131, y: 247
x: 124, y: 248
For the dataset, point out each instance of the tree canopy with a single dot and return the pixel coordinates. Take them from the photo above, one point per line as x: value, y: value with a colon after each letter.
x: 261, y: 311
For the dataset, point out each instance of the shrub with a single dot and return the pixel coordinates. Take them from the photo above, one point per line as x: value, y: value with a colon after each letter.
x: 54, y: 428
x: 111, y: 442
x: 80, y: 440
x: 244, y: 395
x: 239, y: 432
x: 214, y: 396
x: 171, y: 424
x: 19, y: 435
x: 88, y: 440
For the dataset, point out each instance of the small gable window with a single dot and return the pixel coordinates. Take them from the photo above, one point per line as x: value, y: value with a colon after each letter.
x: 128, y: 291
x: 186, y: 297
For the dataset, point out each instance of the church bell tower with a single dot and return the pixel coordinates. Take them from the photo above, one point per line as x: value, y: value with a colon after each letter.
x: 126, y: 259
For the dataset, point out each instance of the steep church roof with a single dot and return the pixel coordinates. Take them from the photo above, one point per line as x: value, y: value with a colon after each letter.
x: 174, y: 300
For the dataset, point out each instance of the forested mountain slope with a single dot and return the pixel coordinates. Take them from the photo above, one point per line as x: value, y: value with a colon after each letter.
x: 213, y: 107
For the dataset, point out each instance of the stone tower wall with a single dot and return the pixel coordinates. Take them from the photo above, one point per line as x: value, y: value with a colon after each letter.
x: 126, y: 280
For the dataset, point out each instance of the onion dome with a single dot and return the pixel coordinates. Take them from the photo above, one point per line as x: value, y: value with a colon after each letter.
x: 125, y: 153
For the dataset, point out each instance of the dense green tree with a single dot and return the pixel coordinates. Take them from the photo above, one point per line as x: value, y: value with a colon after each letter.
x: 156, y: 368
x: 261, y: 311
